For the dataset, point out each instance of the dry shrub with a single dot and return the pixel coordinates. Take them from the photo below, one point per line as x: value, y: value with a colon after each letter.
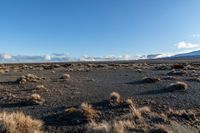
x: 170, y: 78
x: 41, y: 88
x: 136, y: 113
x: 65, y: 77
x: 71, y: 110
x: 162, y: 67
x: 177, y: 66
x: 3, y: 70
x: 139, y: 70
x: 187, y: 115
x: 196, y: 79
x: 19, y: 123
x: 115, y: 98
x: 159, y: 129
x: 28, y: 78
x: 103, y: 127
x: 180, y: 73
x: 37, y: 99
x: 150, y: 80
x: 88, y: 112
x: 129, y: 102
x: 144, y: 109
x: 178, y: 86
x: 122, y: 126
x: 116, y: 126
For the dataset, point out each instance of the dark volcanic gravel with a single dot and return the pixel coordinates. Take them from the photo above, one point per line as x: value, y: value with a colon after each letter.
x: 93, y: 86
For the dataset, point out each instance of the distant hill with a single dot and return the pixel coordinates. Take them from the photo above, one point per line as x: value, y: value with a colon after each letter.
x: 189, y: 55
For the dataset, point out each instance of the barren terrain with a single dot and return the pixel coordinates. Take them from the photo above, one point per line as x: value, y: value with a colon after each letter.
x: 148, y: 84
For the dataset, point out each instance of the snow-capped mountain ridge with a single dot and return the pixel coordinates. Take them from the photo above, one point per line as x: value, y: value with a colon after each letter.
x: 9, y: 58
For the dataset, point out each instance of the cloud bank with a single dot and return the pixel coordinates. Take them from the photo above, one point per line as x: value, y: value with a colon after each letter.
x: 195, y: 35
x: 185, y: 45
x: 9, y: 58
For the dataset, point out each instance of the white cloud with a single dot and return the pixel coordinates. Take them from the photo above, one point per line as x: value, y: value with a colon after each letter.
x: 6, y: 56
x: 195, y: 35
x: 185, y: 45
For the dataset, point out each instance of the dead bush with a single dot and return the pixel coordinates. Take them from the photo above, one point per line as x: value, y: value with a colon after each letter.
x: 65, y: 77
x: 177, y: 66
x: 88, y: 112
x: 19, y: 123
x: 115, y: 98
x: 37, y: 99
x: 178, y: 86
x: 150, y: 80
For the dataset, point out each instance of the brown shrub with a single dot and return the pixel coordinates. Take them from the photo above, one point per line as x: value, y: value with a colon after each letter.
x: 144, y: 109
x: 19, y: 123
x: 28, y: 78
x: 136, y: 113
x: 115, y: 98
x: 116, y: 126
x: 159, y: 129
x: 177, y: 66
x: 129, y: 102
x: 178, y: 86
x: 71, y: 110
x: 37, y: 99
x: 103, y: 127
x: 197, y: 79
x: 150, y: 80
x: 88, y: 112
x: 180, y: 73
x: 187, y: 115
x: 41, y: 88
x: 65, y: 77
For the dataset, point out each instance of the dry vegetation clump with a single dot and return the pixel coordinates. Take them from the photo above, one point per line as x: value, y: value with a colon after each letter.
x: 139, y: 70
x: 196, y: 79
x: 183, y: 114
x: 19, y: 123
x: 56, y: 66
x: 170, y: 78
x: 144, y: 109
x: 65, y: 77
x: 85, y: 113
x: 136, y: 113
x: 129, y: 102
x: 3, y: 70
x: 28, y: 78
x: 162, y: 67
x: 150, y: 80
x: 116, y: 126
x: 37, y: 99
x: 159, y: 129
x: 178, y: 86
x: 40, y: 88
x: 122, y: 126
x: 177, y: 66
x: 88, y: 111
x: 189, y: 67
x: 175, y: 72
x: 71, y: 110
x: 103, y: 127
x: 115, y: 98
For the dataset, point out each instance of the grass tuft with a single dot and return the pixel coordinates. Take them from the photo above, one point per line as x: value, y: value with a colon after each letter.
x: 19, y: 123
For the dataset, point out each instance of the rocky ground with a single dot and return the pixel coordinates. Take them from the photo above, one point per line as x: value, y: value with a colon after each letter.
x: 54, y: 92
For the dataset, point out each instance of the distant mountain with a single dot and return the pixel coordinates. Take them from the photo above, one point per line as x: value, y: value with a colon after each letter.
x: 111, y: 58
x: 157, y: 56
x: 9, y: 58
x: 190, y: 54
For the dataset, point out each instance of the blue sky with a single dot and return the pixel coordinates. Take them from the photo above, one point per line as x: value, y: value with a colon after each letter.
x: 99, y: 27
